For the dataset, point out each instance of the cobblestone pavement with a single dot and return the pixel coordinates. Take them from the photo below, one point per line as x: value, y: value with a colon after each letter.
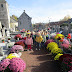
x: 40, y: 61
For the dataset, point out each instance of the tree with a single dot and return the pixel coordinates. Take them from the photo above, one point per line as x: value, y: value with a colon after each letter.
x: 15, y: 17
x: 66, y: 18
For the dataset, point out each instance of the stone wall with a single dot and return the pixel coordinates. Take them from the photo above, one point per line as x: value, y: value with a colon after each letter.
x: 4, y: 14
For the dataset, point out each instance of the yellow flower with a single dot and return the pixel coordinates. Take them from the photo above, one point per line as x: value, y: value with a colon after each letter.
x: 57, y: 56
x: 59, y: 35
x: 56, y: 51
x: 52, y: 45
x: 10, y: 56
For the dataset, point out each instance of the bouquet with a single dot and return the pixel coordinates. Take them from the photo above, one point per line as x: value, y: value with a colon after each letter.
x: 17, y: 49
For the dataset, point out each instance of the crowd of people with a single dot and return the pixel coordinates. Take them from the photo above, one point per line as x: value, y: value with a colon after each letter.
x: 36, y: 38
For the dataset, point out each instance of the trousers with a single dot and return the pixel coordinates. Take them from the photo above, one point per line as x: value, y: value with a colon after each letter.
x: 29, y: 46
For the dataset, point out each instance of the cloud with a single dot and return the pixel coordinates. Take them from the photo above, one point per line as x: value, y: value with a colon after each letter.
x: 40, y: 14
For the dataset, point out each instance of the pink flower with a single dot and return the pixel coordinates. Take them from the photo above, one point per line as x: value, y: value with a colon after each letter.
x: 70, y: 71
x: 65, y: 41
x: 66, y: 46
x: 16, y: 48
x: 4, y: 64
x: 17, y: 64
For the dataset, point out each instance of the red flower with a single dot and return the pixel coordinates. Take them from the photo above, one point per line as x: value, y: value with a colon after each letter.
x: 18, y: 36
x: 20, y: 43
x: 49, y: 41
x: 24, y: 38
x: 64, y: 56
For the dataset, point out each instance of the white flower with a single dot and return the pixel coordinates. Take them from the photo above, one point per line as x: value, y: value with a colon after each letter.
x: 15, y: 54
x: 10, y: 44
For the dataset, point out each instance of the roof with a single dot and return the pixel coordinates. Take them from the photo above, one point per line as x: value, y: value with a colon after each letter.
x: 25, y: 15
x: 12, y: 20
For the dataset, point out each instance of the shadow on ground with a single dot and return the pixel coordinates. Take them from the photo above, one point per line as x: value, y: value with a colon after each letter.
x: 48, y: 66
x: 47, y: 63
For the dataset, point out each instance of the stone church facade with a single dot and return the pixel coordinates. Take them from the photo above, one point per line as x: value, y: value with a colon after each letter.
x: 24, y: 22
x: 4, y: 14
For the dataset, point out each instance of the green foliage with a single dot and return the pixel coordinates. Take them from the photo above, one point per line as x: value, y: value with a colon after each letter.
x: 66, y: 18
x: 14, y: 17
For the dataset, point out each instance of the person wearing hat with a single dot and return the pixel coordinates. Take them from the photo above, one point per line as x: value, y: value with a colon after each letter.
x: 29, y: 41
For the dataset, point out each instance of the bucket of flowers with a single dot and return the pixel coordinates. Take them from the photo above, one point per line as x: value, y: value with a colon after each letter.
x: 3, y: 40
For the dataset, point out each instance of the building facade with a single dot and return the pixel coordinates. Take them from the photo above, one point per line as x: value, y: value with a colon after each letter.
x: 4, y: 14
x: 24, y: 22
x: 13, y: 24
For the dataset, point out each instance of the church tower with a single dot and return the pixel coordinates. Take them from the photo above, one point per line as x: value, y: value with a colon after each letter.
x: 4, y: 14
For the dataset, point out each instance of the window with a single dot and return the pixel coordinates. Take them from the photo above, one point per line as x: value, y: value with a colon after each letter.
x: 1, y: 5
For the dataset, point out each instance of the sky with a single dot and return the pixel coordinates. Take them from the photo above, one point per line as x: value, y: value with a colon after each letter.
x: 41, y: 10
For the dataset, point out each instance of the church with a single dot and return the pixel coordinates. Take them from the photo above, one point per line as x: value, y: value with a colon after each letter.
x: 4, y: 14
x: 24, y: 22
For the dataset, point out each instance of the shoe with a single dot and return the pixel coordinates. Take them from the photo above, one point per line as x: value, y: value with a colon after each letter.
x: 31, y: 50
x: 39, y: 49
x: 36, y: 48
